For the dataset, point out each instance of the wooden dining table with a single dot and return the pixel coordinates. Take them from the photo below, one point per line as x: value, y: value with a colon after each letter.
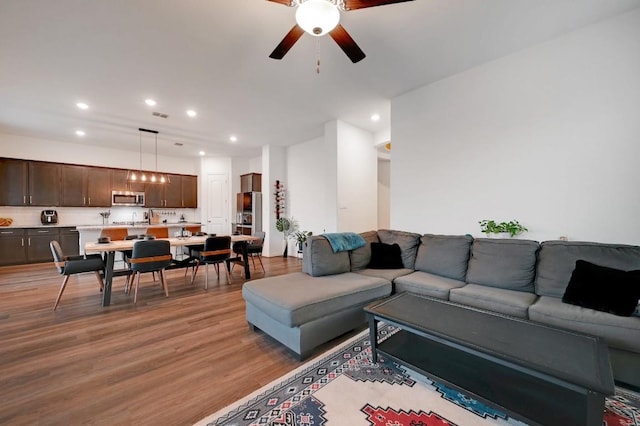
x: 110, y: 249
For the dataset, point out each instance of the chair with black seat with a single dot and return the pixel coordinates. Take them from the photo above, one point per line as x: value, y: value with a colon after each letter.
x: 150, y: 256
x: 254, y: 249
x: 70, y: 265
x: 216, y: 250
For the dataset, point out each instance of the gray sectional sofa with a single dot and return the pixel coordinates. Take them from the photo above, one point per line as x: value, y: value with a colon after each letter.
x: 516, y: 277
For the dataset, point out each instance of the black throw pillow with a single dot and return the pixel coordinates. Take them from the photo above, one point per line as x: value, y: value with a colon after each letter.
x: 603, y: 288
x: 385, y: 256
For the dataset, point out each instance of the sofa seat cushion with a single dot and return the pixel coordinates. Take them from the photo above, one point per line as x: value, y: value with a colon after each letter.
x: 557, y: 260
x: 503, y: 263
x: 509, y: 302
x: 444, y: 255
x: 387, y: 274
x: 297, y: 298
x: 619, y: 332
x: 427, y: 284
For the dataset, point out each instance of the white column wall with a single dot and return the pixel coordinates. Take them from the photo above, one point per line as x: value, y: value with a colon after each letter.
x: 357, y: 172
x: 547, y: 136
x: 273, y: 168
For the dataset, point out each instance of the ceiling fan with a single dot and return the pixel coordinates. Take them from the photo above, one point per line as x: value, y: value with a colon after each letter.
x: 320, y: 17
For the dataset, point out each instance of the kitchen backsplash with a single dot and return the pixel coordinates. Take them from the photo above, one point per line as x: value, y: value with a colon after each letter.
x: 74, y: 216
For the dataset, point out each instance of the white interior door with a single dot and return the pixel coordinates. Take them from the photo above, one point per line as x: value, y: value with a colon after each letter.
x: 217, y: 204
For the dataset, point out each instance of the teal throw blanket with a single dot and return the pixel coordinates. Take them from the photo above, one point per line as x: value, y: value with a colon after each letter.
x: 343, y: 241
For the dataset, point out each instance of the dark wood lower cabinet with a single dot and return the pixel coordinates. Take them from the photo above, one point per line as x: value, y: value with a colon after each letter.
x: 13, y: 248
x: 31, y: 245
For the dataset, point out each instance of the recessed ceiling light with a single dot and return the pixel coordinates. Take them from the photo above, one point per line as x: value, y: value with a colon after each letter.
x: 150, y: 102
x: 191, y: 113
x: 233, y: 138
x: 202, y: 153
x: 80, y: 132
x: 82, y: 105
x: 375, y: 117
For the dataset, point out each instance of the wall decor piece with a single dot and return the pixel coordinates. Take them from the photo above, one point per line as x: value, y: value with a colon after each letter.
x: 280, y: 199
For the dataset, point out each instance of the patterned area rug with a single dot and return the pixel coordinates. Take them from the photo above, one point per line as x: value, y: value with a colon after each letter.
x: 343, y: 387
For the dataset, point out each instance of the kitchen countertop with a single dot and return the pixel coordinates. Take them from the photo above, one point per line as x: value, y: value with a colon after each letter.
x: 137, y: 225
x: 98, y: 227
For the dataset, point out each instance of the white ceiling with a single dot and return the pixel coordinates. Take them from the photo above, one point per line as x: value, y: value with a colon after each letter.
x: 212, y: 56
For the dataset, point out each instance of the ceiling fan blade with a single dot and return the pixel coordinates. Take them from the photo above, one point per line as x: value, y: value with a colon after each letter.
x: 346, y: 43
x: 362, y: 4
x: 285, y: 2
x: 287, y: 42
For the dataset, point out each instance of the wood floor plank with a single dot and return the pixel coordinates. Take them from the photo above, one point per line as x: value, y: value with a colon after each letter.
x: 167, y: 360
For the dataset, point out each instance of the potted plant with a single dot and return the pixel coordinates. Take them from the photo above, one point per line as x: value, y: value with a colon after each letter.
x: 512, y: 227
x: 286, y: 226
x: 300, y: 237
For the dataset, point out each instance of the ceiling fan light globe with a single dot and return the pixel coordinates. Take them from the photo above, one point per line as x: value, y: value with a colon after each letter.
x: 317, y: 17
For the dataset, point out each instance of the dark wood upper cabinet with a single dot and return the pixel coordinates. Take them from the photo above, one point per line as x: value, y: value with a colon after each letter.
x: 251, y: 182
x: 44, y: 184
x: 119, y: 182
x: 14, y: 174
x: 74, y: 186
x: 40, y: 183
x: 30, y: 183
x: 98, y: 187
x: 84, y: 186
x: 180, y: 192
x: 190, y: 192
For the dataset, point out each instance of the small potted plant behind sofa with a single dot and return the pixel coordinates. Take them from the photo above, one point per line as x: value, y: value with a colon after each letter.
x: 300, y: 237
x: 512, y: 228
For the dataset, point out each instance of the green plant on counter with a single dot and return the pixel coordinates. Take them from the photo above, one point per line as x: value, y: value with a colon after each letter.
x: 513, y: 227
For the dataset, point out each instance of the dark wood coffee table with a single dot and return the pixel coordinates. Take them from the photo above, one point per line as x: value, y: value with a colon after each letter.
x: 536, y: 373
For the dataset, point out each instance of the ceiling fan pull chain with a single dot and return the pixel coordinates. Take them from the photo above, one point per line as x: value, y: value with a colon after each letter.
x: 318, y: 53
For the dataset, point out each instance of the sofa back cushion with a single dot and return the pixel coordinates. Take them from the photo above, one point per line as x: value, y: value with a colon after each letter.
x: 444, y: 255
x: 361, y: 257
x: 557, y: 260
x: 319, y: 259
x: 503, y: 263
x: 408, y: 242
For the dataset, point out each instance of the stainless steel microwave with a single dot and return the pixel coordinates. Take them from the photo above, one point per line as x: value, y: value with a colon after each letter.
x: 127, y: 198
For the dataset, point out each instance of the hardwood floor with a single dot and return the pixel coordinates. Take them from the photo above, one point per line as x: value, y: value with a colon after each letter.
x: 164, y: 361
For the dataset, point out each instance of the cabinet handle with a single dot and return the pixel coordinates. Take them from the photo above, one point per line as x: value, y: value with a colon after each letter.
x: 30, y: 199
x: 89, y: 200
x: 84, y: 200
x: 6, y: 232
x: 22, y: 242
x: 43, y: 232
x: 29, y: 240
x: 24, y: 199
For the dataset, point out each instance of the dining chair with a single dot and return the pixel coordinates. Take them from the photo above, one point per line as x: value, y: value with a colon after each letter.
x: 216, y: 250
x: 70, y: 265
x: 116, y: 234
x: 254, y: 249
x: 158, y: 232
x: 149, y: 256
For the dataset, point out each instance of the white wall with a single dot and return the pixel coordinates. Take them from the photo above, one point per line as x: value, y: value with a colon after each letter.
x: 274, y: 168
x: 548, y: 136
x: 306, y: 168
x: 384, y: 193
x: 357, y: 171
x: 332, y: 181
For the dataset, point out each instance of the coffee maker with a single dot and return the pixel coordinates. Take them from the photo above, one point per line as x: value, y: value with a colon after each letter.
x: 49, y: 217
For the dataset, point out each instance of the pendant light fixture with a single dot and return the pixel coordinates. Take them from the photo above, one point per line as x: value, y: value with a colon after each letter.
x: 141, y: 176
